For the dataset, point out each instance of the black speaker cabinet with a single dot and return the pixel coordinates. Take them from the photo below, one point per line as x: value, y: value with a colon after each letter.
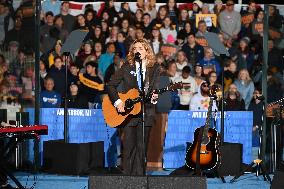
x: 278, y: 180
x: 3, y: 115
x: 231, y: 159
x: 151, y: 182
x: 72, y: 158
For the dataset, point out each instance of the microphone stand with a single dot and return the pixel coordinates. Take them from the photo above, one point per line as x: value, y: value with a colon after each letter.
x: 66, y: 131
x: 138, y: 59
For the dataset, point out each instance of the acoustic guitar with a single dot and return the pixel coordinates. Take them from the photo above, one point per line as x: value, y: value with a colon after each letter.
x: 208, y: 148
x: 132, y: 103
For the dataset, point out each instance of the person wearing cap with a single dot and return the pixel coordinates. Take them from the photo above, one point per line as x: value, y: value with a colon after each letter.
x: 218, y: 7
x: 230, y: 21
x: 75, y: 99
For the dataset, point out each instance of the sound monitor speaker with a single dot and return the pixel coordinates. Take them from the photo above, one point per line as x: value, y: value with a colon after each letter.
x: 22, y: 118
x: 3, y: 115
x: 151, y: 182
x: 157, y: 182
x: 278, y: 180
x: 72, y: 158
x: 231, y: 159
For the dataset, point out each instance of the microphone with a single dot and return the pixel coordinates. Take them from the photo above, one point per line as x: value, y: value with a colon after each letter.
x: 137, y: 56
x: 261, y: 98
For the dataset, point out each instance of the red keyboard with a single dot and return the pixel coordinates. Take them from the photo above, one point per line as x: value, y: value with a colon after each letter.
x: 36, y: 129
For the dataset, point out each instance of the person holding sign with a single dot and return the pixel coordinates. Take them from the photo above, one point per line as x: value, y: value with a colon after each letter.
x: 230, y: 21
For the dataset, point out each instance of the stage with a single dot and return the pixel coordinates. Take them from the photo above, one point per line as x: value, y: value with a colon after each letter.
x: 52, y: 181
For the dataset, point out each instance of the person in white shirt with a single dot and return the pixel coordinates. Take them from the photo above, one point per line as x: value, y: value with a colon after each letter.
x: 189, y: 88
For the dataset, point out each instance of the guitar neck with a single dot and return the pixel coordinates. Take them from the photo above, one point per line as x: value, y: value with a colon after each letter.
x: 208, y: 117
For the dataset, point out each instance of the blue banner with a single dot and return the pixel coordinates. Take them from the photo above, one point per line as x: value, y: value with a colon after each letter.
x: 87, y: 125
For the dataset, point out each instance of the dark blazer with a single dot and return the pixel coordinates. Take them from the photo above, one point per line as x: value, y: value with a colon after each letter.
x: 126, y: 75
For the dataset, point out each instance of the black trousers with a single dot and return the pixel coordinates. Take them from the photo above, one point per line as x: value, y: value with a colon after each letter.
x: 133, y: 157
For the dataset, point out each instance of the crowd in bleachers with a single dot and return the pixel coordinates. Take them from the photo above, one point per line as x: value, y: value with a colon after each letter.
x: 175, y: 32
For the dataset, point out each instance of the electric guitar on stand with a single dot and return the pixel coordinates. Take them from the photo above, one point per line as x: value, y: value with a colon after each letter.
x: 132, y: 103
x: 204, y: 153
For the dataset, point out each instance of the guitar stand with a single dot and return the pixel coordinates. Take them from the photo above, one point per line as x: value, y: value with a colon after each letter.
x: 259, y: 167
x: 9, y: 148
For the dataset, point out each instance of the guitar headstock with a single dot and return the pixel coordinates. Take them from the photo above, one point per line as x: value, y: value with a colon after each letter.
x: 175, y: 86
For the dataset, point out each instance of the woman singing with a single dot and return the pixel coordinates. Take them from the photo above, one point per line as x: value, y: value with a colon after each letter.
x: 129, y: 76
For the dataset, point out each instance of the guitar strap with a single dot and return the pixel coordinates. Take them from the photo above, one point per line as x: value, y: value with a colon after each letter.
x: 197, y: 167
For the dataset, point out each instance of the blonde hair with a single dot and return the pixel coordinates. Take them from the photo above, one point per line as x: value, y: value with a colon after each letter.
x: 151, y: 59
x: 247, y: 79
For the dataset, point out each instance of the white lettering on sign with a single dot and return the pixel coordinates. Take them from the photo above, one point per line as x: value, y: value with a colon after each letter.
x: 81, y: 113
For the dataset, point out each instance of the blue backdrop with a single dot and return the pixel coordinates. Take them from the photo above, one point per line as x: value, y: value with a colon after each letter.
x: 87, y: 125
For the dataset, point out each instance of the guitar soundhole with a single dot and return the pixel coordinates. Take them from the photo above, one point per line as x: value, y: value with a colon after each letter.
x: 129, y: 104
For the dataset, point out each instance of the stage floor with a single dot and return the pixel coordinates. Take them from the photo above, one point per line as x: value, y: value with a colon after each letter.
x: 52, y: 181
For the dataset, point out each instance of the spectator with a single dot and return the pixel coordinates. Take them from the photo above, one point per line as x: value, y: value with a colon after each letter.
x: 244, y: 56
x: 181, y: 62
x: 194, y: 52
x: 196, y: 9
x: 275, y: 57
x: 218, y: 7
x: 74, y: 74
x: 98, y: 50
x: 150, y: 8
x: 198, y: 74
x: 6, y: 22
x: 59, y: 24
x: 75, y: 100
x: 110, y: 9
x: 139, y: 33
x: 173, y: 11
x: 105, y: 29
x: 83, y: 55
x: 161, y: 15
x: 106, y: 59
x: 56, y: 51
x: 183, y: 33
x: 256, y: 106
x: 274, y: 87
x: 200, y: 101
x: 124, y: 26
x: 113, y: 34
x: 28, y: 80
x: 156, y: 40
x: 98, y: 35
x: 212, y: 79
x: 189, y: 88
x: 245, y: 86
x: 209, y: 62
x: 18, y: 65
x: 15, y: 34
x: 233, y: 99
x: 43, y: 73
x: 131, y: 36
x: 91, y: 19
x: 48, y: 34
x: 230, y: 21
x: 120, y: 44
x: 49, y: 98
x: 117, y: 63
x: 183, y: 19
x: 138, y: 20
x: 168, y: 31
x: 147, y: 26
x: 230, y: 74
x: 91, y: 85
x: 68, y: 19
x: 57, y: 73
x: 275, y: 19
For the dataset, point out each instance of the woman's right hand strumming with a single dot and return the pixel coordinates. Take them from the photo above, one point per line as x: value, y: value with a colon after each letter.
x: 120, y: 107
